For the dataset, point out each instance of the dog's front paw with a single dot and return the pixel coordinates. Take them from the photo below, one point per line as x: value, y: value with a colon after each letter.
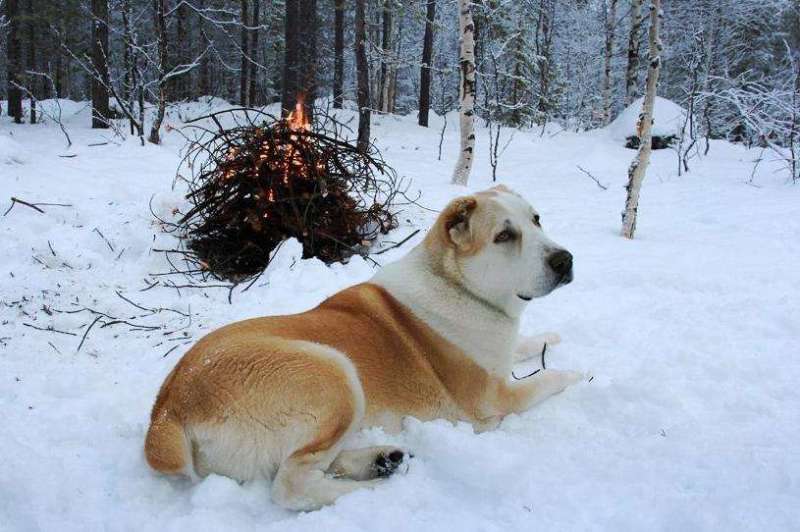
x: 549, y: 338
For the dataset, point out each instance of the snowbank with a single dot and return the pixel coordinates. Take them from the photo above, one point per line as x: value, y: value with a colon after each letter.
x: 11, y: 151
x: 668, y: 118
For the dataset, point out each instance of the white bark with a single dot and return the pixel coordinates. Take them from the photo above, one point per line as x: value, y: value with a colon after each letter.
x: 632, y: 71
x: 638, y: 167
x: 611, y: 15
x: 467, y: 94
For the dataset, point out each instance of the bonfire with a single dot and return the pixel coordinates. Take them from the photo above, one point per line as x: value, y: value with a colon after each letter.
x: 261, y: 182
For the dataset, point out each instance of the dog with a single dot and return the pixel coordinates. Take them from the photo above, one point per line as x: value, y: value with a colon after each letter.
x: 433, y: 335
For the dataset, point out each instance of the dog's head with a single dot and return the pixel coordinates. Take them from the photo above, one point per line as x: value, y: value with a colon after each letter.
x: 492, y: 243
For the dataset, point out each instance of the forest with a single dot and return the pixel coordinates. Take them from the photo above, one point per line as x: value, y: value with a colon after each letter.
x: 169, y: 168
x: 733, y: 63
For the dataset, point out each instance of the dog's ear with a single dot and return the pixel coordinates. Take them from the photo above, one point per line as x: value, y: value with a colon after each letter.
x: 456, y: 218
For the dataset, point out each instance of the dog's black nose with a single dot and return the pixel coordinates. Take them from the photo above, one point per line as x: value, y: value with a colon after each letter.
x: 561, y: 262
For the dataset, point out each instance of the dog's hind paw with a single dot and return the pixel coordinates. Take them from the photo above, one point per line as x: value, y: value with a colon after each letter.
x: 388, y: 463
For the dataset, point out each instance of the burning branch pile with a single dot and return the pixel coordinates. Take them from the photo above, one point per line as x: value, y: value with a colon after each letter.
x: 257, y: 184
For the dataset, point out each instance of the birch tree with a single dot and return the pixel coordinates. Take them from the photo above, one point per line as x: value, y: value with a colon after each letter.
x: 160, y: 23
x: 637, y: 169
x: 610, y: 25
x: 632, y: 69
x: 466, y: 93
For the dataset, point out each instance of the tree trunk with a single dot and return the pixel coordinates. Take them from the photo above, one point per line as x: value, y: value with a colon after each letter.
x: 338, y: 61
x: 245, y: 45
x: 300, y: 62
x: 611, y: 16
x: 386, y: 45
x: 160, y: 24
x: 467, y: 94
x: 100, y: 109
x: 546, y: 17
x: 13, y: 62
x: 32, y: 81
x: 362, y: 73
x: 182, y: 51
x: 425, y: 70
x: 253, y: 95
x: 203, y: 82
x: 128, y: 55
x: 632, y: 70
x: 638, y: 167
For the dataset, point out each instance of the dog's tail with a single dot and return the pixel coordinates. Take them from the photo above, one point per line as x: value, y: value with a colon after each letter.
x: 166, y: 447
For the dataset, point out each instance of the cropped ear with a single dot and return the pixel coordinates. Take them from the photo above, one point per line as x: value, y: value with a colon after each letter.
x: 456, y: 218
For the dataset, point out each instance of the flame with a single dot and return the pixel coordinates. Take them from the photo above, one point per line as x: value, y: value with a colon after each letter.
x: 297, y: 119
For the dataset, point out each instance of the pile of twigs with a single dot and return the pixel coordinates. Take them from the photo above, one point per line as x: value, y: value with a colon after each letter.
x: 256, y: 184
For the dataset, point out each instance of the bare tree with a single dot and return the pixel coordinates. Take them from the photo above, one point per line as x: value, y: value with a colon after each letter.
x: 160, y: 23
x: 245, y: 46
x: 204, y: 81
x: 386, y: 52
x: 300, y: 60
x: 338, y: 62
x: 253, y: 96
x: 544, y: 43
x: 610, y: 10
x: 632, y: 70
x: 362, y: 73
x: 32, y: 81
x: 466, y: 94
x: 638, y: 167
x: 425, y: 69
x: 13, y: 61
x: 100, y: 109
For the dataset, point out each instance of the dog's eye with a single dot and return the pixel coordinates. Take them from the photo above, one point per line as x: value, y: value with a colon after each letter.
x: 504, y: 236
x: 536, y: 220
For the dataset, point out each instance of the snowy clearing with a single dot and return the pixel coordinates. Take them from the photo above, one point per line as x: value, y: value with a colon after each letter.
x: 691, y: 330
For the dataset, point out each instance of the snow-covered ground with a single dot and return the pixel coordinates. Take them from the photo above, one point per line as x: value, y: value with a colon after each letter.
x: 692, y: 332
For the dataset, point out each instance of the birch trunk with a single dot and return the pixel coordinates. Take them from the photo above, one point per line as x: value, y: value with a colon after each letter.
x: 632, y: 70
x: 386, y: 51
x: 159, y: 10
x: 611, y: 16
x: 638, y: 167
x: 467, y: 94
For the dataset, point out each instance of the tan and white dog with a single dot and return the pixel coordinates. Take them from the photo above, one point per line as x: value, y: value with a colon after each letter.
x: 433, y: 335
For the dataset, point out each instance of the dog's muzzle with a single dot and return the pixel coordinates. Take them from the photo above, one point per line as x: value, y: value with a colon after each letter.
x: 561, y: 263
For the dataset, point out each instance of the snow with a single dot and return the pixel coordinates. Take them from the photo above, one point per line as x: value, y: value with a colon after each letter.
x: 668, y: 118
x: 11, y: 152
x: 691, y: 331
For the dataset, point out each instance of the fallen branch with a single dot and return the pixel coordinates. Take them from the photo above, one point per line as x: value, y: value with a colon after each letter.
x: 48, y: 329
x: 34, y: 206
x: 86, y: 332
x: 406, y: 239
x: 597, y: 181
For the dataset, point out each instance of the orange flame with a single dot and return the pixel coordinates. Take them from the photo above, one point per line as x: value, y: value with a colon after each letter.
x: 297, y: 119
